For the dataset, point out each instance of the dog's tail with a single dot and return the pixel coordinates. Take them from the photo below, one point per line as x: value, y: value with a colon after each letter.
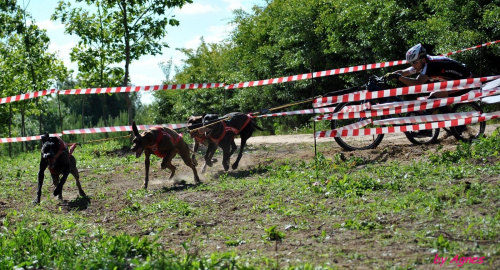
x: 257, y: 127
x: 72, y: 147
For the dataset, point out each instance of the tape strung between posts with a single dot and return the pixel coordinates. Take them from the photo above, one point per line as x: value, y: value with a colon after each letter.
x: 91, y: 131
x: 338, y: 70
x: 414, y: 127
x: 216, y: 85
x: 400, y: 91
x: 406, y: 106
x: 120, y: 128
x: 25, y: 139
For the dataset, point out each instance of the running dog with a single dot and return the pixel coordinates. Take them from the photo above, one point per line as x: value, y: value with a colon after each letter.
x: 164, y: 143
x: 222, y: 131
x: 198, y: 133
x: 56, y: 156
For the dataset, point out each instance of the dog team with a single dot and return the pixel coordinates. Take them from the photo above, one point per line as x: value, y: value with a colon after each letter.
x: 165, y: 143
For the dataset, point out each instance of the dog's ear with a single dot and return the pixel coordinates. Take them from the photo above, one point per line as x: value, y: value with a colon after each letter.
x: 136, y: 131
x: 45, y: 137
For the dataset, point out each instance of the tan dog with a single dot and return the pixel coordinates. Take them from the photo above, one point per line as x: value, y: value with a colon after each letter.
x: 164, y: 143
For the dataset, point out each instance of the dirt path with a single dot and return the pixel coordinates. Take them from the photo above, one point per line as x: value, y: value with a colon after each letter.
x: 389, y: 139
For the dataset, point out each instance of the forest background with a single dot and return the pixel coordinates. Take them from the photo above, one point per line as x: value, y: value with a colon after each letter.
x: 280, y: 39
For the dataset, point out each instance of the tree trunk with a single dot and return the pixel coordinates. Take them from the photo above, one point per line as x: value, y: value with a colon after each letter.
x: 127, y: 60
x: 10, y: 129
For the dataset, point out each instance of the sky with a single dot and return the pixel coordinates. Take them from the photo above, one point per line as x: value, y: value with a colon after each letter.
x: 203, y: 18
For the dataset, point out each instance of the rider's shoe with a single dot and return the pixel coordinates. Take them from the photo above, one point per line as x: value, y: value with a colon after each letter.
x: 422, y: 133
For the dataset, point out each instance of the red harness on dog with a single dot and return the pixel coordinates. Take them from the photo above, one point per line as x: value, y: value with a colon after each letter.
x: 200, y: 138
x: 62, y: 146
x: 159, y: 137
x: 226, y: 129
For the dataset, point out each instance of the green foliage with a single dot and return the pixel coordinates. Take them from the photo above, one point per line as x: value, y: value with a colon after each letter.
x: 274, y: 234
x: 479, y: 149
x: 299, y: 36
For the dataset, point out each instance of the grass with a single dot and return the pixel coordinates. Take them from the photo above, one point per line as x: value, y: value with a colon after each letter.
x: 329, y: 212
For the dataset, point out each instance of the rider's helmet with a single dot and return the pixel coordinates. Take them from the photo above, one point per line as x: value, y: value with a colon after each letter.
x: 415, y: 53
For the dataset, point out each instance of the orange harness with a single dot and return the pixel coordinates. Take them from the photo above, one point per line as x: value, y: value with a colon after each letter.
x: 159, y: 137
x: 231, y: 129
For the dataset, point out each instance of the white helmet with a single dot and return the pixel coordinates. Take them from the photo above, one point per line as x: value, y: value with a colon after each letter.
x: 414, y: 53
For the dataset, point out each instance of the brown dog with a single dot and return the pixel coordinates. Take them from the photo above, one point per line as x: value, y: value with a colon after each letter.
x: 221, y: 132
x: 164, y: 143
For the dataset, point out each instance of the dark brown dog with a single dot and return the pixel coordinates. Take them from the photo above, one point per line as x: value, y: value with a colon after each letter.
x: 164, y: 143
x: 56, y: 156
x: 222, y: 131
x: 198, y: 133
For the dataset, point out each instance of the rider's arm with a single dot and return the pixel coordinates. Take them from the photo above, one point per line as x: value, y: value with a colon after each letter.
x: 421, y: 79
x: 406, y: 72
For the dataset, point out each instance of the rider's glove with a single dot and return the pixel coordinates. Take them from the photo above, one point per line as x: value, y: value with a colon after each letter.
x: 392, y: 76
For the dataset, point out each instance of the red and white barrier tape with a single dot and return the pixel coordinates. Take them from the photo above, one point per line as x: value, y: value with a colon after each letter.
x: 425, y: 118
x: 356, y: 125
x: 111, y: 90
x: 139, y: 88
x: 25, y: 139
x: 407, y: 90
x: 423, y: 101
x: 471, y: 48
x: 26, y: 96
x: 398, y: 129
x: 307, y: 111
x: 270, y: 81
x: 407, y: 106
x: 119, y: 129
x: 216, y: 85
x: 337, y: 71
x: 354, y: 108
x: 91, y: 131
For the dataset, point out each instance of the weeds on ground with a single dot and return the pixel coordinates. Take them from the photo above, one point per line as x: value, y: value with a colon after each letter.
x: 324, y: 211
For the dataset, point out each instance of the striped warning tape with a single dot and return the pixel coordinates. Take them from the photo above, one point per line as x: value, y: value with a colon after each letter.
x: 91, y: 131
x: 111, y: 90
x: 25, y: 139
x: 471, y: 48
x: 356, y: 125
x: 216, y: 85
x: 425, y: 118
x: 408, y: 106
x: 139, y: 88
x: 338, y: 71
x: 307, y: 111
x: 27, y: 96
x: 119, y: 128
x: 407, y: 90
x: 405, y: 128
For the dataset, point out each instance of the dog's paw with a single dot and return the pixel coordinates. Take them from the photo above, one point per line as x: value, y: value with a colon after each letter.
x: 57, y: 191
x: 36, y: 201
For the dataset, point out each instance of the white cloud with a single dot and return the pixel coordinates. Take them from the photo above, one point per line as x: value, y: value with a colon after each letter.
x: 218, y: 33
x: 239, y: 4
x: 50, y: 25
x: 62, y: 51
x: 193, y: 43
x: 196, y: 9
x: 215, y: 34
